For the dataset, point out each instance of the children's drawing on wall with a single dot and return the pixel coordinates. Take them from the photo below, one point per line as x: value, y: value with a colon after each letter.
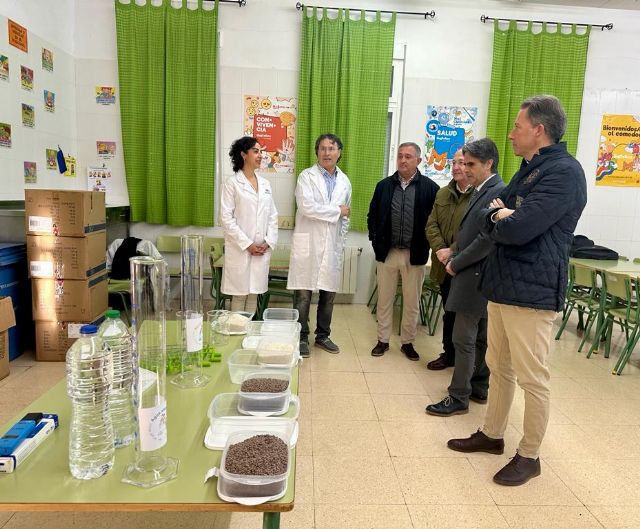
x: 4, y: 68
x: 271, y: 120
x: 26, y: 78
x: 618, y: 162
x: 106, y: 149
x: 47, y: 60
x: 28, y: 116
x: 105, y: 95
x: 5, y: 135
x: 49, y: 101
x: 52, y: 162
x: 98, y: 178
x: 448, y: 128
x: 30, y: 173
x: 71, y: 166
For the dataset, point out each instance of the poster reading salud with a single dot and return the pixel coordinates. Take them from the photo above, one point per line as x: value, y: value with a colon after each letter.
x: 619, y: 151
x: 448, y: 128
x: 271, y: 120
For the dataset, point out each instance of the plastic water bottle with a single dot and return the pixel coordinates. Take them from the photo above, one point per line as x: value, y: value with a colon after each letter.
x: 115, y: 334
x: 89, y: 376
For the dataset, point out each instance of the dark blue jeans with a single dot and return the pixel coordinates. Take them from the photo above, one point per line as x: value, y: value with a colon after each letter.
x: 302, y: 302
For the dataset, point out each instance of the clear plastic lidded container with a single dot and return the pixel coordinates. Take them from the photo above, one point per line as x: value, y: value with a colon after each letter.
x: 263, y: 403
x: 277, y: 350
x: 225, y: 420
x: 280, y: 314
x: 257, y: 329
x: 237, y: 322
x: 243, y: 361
x: 234, y: 487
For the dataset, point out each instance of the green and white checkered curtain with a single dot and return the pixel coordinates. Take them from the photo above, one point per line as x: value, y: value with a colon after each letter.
x: 345, y: 82
x: 526, y: 64
x: 167, y: 71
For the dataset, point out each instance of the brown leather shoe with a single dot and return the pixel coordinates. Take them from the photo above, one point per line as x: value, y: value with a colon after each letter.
x: 379, y: 349
x: 477, y: 442
x: 518, y: 471
x: 439, y: 363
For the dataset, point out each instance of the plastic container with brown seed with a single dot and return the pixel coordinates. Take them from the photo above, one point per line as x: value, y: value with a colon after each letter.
x: 265, y: 393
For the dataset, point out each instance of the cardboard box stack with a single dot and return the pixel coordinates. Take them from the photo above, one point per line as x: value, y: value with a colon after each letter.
x: 7, y: 320
x: 66, y: 252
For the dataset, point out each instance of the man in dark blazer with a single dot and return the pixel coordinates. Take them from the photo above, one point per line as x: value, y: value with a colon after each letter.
x: 470, y: 379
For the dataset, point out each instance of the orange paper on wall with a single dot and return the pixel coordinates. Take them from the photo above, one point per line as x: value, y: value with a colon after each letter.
x: 18, y: 36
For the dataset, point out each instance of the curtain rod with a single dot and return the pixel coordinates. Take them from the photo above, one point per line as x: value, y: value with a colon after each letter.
x: 602, y: 27
x: 431, y: 14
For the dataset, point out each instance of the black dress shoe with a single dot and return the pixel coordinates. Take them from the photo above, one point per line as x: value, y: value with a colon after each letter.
x: 410, y: 352
x: 518, y: 471
x: 477, y: 442
x: 447, y: 407
x: 480, y: 399
x: 439, y: 363
x: 379, y: 349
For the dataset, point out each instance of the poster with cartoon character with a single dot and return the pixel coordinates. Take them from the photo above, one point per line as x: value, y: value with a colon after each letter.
x: 5, y: 135
x: 28, y: 116
x: 271, y: 120
x: 26, y: 78
x: 49, y: 101
x: 47, y: 60
x: 52, y: 159
x: 105, y: 95
x: 4, y: 68
x: 106, y: 149
x: 30, y: 173
x: 98, y: 178
x: 618, y: 163
x: 448, y: 128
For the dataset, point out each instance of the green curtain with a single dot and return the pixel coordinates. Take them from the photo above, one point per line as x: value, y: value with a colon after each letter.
x: 167, y: 70
x: 526, y: 64
x: 345, y: 82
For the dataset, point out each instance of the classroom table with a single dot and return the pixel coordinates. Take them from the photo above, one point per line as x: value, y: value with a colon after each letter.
x: 618, y: 267
x: 43, y: 481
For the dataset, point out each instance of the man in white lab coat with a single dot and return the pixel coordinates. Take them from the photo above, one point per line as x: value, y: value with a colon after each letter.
x: 323, y: 197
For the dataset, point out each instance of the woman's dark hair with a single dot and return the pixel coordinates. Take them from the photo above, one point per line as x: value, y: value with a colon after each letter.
x: 237, y: 148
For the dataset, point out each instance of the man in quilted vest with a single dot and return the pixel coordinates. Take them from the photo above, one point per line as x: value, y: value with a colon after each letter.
x: 532, y: 223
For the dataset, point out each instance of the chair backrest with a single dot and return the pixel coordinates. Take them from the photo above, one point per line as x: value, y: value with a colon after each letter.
x: 214, y: 246
x: 618, y: 285
x: 583, y: 276
x: 168, y: 244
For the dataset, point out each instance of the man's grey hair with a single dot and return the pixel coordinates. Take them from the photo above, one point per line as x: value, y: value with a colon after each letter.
x: 547, y: 110
x: 411, y: 144
x: 483, y: 150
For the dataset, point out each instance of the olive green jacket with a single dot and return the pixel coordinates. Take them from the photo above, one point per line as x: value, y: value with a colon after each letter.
x: 444, y: 223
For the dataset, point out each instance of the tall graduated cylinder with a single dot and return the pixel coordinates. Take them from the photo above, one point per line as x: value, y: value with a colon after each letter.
x: 89, y: 376
x: 189, y: 318
x: 151, y: 466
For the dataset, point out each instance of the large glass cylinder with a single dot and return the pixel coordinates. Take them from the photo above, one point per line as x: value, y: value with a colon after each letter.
x: 189, y: 318
x: 151, y: 466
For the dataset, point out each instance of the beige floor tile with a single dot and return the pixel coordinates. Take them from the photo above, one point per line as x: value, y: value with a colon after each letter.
x: 108, y: 520
x: 568, y: 441
x: 443, y: 481
x: 550, y: 517
x: 617, y: 517
x: 16, y: 371
x: 394, y: 383
x: 4, y: 517
x: 621, y: 442
x: 304, y: 446
x: 300, y: 518
x: 596, y: 412
x: 338, y: 383
x: 610, y: 388
x: 304, y: 380
x: 343, y: 407
x: 547, y: 489
x: 389, y: 363
x: 418, y: 439
x: 362, y: 517
x: 304, y: 479
x: 31, y: 520
x: 456, y: 517
x: 348, y: 480
x: 600, y: 481
x: 435, y: 382
x: 567, y: 388
x: 348, y: 438
x: 306, y: 403
x: 402, y: 407
x: 323, y: 361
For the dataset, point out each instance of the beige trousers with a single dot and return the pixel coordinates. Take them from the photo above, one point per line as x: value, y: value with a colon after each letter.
x: 519, y: 342
x: 397, y: 261
x: 245, y: 303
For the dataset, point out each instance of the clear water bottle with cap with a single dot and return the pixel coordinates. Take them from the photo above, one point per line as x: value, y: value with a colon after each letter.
x: 115, y: 334
x: 89, y: 377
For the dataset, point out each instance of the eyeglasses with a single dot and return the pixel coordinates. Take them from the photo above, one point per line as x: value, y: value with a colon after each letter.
x: 333, y: 148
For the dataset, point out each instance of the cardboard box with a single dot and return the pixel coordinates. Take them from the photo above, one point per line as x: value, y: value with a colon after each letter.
x: 7, y: 320
x: 66, y: 257
x: 69, y: 299
x: 64, y: 213
x: 53, y: 338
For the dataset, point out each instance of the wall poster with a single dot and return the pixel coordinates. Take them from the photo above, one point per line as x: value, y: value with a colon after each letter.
x: 448, y: 128
x: 271, y: 120
x: 619, y: 151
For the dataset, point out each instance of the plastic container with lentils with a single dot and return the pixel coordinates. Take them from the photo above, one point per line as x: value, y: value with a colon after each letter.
x: 254, y: 464
x: 265, y: 393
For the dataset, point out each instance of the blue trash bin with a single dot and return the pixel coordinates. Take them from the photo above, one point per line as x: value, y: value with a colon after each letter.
x: 14, y: 283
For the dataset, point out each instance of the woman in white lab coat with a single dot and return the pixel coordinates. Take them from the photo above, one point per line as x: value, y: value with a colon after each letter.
x: 250, y: 221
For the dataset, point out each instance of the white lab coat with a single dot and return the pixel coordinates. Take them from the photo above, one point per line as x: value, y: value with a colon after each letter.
x: 320, y: 232
x: 247, y: 217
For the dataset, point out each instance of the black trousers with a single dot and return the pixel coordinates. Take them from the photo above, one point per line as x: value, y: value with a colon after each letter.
x: 448, y: 320
x: 302, y: 302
